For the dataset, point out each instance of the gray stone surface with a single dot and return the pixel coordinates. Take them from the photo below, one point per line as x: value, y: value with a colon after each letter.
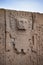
x: 21, y: 38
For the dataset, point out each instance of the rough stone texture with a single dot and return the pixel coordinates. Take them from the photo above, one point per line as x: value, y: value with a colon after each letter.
x: 2, y: 37
x: 21, y: 38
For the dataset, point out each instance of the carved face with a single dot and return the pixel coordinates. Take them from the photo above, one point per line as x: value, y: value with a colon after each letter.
x: 22, y: 24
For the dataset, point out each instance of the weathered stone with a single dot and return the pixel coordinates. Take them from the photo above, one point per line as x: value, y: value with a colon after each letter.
x: 22, y: 23
x: 21, y: 38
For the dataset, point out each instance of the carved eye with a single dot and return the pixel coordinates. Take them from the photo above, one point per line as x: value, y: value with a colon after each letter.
x: 21, y: 21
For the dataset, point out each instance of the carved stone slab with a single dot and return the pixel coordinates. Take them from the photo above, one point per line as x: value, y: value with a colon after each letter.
x: 21, y: 38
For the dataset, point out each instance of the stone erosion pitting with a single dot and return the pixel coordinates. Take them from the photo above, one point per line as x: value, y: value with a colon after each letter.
x: 21, y: 38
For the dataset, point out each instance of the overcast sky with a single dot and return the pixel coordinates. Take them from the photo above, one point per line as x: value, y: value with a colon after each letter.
x: 25, y: 5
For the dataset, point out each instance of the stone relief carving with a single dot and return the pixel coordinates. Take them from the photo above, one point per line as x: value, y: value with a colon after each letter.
x: 21, y: 23
x: 24, y: 39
